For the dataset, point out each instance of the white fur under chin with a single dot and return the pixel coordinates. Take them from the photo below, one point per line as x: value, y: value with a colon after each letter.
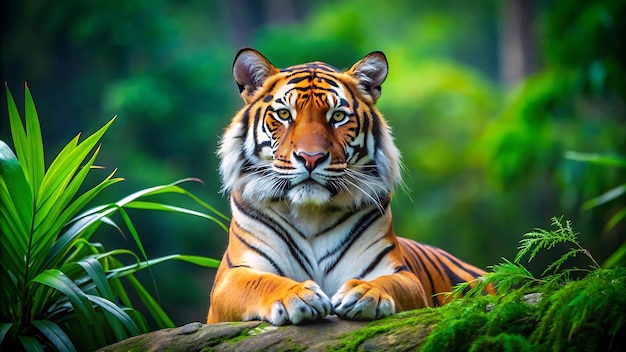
x: 308, y: 194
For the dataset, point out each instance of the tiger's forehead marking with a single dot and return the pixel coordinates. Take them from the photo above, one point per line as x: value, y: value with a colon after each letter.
x: 311, y: 83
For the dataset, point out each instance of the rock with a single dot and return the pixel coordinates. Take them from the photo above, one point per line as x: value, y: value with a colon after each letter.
x: 330, y: 334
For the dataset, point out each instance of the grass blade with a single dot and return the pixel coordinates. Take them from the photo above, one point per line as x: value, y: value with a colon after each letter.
x: 171, y: 208
x: 159, y: 315
x: 615, y: 219
x: 605, y: 197
x: 132, y: 268
x: 598, y: 159
x: 617, y: 258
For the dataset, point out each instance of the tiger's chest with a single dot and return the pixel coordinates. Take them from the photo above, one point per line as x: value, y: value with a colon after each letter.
x: 328, y: 247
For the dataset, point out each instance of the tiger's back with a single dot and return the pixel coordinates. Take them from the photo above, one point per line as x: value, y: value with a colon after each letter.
x: 438, y: 270
x: 309, y: 164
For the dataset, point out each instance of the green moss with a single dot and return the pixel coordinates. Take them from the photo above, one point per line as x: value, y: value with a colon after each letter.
x: 248, y: 333
x: 502, y: 342
x: 426, y: 316
x: 582, y: 315
x: 588, y: 313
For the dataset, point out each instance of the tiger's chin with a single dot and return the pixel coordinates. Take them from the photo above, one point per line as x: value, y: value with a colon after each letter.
x: 309, y: 194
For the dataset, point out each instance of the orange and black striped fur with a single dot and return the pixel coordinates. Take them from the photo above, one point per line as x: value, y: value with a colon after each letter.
x: 310, y: 165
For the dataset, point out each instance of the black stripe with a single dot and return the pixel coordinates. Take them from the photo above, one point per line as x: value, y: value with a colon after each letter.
x: 295, y: 250
x: 257, y: 116
x: 401, y: 268
x: 297, y: 80
x: 302, y: 68
x: 362, y: 225
x: 461, y: 265
x: 345, y: 217
x: 376, y: 260
x: 424, y: 257
x: 454, y: 278
x: 376, y: 132
x: 416, y: 259
x: 228, y: 262
x: 260, y: 252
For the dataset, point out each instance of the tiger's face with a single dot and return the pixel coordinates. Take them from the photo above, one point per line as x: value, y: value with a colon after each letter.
x: 309, y: 135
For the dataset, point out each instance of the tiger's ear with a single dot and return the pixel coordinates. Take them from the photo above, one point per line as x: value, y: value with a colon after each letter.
x: 371, y: 72
x: 250, y: 70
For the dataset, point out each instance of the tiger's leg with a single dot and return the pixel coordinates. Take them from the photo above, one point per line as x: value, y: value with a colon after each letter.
x: 248, y: 294
x: 383, y: 296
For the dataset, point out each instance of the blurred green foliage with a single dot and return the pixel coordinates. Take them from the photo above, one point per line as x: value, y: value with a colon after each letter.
x: 483, y: 162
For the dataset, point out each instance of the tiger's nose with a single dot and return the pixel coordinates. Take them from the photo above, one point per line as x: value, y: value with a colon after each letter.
x: 310, y: 160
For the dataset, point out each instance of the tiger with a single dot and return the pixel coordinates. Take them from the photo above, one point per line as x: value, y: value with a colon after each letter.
x: 309, y: 165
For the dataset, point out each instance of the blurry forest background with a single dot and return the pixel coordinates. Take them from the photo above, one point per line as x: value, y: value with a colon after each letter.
x: 484, y: 98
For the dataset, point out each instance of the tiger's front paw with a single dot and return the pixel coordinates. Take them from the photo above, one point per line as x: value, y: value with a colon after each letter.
x: 303, y: 302
x: 360, y: 300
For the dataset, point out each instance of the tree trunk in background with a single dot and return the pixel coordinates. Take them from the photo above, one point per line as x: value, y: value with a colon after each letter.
x: 517, y: 44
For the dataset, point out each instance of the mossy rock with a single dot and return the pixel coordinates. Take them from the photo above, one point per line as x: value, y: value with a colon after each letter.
x: 330, y: 334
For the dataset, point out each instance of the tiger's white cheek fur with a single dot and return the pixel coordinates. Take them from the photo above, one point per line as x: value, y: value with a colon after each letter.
x: 230, y: 164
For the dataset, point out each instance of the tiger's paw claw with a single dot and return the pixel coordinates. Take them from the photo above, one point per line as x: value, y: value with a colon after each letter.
x: 359, y: 300
x: 304, y: 302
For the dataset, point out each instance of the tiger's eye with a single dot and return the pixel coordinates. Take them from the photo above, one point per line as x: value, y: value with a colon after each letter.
x: 283, y: 114
x: 338, y: 116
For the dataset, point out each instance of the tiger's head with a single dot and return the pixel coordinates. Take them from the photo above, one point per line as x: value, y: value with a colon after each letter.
x: 309, y: 135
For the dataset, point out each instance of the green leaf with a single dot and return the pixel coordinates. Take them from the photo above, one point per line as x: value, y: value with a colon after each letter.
x: 67, y: 163
x: 132, y: 268
x: 117, y: 312
x: 617, y: 258
x: 171, y: 208
x: 54, y: 205
x: 31, y: 344
x: 96, y: 274
x: 171, y: 188
x: 85, y: 313
x: 615, y: 219
x: 54, y: 334
x: 64, y: 243
x: 598, y: 159
x: 16, y: 196
x: 159, y: 315
x: 605, y: 197
x: 4, y: 329
x: 35, y: 142
x: 17, y: 130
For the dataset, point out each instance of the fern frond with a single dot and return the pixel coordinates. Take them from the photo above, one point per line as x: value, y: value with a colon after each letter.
x: 556, y: 265
x: 503, y: 277
x: 539, y: 239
